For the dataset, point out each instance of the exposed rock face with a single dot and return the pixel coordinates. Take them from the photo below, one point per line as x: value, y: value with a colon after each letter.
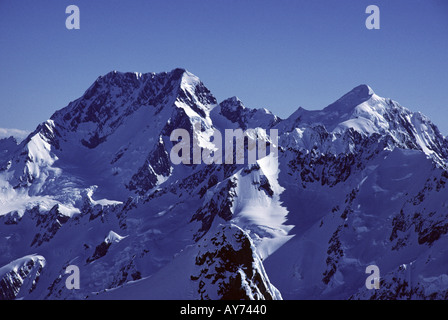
x: 20, y: 276
x: 230, y: 268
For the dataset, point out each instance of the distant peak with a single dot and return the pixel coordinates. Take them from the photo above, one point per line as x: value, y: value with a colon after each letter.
x: 179, y: 70
x: 232, y: 103
x: 362, y: 90
x: 185, y: 76
x: 175, y: 74
x: 352, y: 98
x: 114, y: 76
x: 234, y: 100
x: 178, y: 73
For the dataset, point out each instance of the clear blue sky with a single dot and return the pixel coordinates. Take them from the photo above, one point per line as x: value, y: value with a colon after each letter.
x: 278, y: 54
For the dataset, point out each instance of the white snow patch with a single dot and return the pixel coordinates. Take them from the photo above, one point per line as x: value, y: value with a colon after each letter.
x: 113, y: 237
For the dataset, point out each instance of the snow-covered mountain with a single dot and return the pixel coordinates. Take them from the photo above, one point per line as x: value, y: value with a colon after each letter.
x: 360, y: 182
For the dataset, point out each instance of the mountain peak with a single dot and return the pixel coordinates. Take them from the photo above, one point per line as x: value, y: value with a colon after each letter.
x: 187, y: 78
x: 232, y: 104
x: 351, y: 99
x: 362, y: 90
x: 112, y: 76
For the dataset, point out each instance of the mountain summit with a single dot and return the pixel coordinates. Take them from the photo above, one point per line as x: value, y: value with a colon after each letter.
x: 361, y: 182
x: 353, y: 98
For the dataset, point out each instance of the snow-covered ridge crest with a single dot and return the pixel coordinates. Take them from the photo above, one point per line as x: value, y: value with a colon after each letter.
x: 368, y: 114
x: 20, y: 277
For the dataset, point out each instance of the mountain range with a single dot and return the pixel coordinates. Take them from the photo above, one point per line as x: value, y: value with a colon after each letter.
x: 361, y: 182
